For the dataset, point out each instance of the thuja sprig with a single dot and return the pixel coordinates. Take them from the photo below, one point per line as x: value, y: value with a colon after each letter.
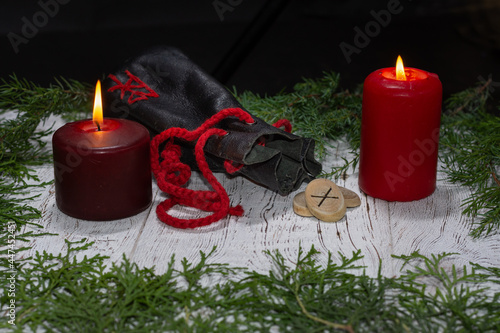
x: 439, y: 299
x: 62, y: 97
x: 470, y: 152
x: 65, y: 294
x: 307, y: 296
x: 22, y: 143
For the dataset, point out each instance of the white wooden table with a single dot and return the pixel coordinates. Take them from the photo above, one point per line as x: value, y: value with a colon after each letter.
x: 378, y: 228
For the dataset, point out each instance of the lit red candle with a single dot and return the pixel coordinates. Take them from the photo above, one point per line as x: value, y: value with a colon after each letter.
x: 399, y: 133
x: 101, y: 167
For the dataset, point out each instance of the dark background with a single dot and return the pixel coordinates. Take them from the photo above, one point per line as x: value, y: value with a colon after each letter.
x: 257, y: 45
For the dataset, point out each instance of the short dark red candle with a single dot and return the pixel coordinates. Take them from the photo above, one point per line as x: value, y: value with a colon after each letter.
x: 102, y: 174
x: 400, y: 134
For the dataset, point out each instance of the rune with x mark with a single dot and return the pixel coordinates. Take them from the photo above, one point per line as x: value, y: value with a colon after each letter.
x: 324, y: 197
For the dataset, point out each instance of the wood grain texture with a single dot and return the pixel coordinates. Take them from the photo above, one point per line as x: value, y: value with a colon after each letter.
x: 378, y: 228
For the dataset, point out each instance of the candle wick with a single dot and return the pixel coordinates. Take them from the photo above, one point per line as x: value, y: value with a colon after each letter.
x: 98, y: 126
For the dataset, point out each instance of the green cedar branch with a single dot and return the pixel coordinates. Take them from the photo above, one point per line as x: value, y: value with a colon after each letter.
x: 61, y: 293
x: 470, y: 152
x: 22, y: 143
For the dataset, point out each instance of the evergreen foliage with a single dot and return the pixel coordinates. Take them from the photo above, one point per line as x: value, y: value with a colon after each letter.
x: 58, y: 293
x: 470, y: 151
x: 22, y: 145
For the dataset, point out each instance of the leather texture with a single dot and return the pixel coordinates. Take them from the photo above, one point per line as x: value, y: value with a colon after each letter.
x: 162, y: 88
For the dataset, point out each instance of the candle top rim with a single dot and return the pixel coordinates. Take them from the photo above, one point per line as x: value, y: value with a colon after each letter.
x: 377, y: 78
x: 412, y: 74
x: 118, y: 135
x: 113, y: 124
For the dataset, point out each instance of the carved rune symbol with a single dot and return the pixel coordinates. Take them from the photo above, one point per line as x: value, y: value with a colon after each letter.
x: 324, y: 197
x: 138, y: 90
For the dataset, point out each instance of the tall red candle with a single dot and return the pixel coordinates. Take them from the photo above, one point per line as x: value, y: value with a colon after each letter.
x: 102, y: 169
x: 399, y: 134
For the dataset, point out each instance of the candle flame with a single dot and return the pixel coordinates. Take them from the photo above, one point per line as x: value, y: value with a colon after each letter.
x: 97, y: 117
x: 400, y: 70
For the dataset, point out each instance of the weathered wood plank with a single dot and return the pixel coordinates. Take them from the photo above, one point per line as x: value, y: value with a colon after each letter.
x: 378, y: 228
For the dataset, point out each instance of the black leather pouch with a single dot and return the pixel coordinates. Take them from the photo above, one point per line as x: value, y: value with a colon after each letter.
x: 162, y: 88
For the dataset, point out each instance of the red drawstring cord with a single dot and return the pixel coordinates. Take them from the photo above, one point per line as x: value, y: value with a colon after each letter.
x: 284, y: 123
x: 171, y: 173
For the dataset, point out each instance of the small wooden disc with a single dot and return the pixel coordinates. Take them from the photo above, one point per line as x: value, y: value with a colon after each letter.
x: 300, y: 206
x: 325, y: 200
x: 351, y: 199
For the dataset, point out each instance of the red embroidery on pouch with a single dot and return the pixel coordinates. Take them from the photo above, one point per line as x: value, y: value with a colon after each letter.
x: 138, y: 90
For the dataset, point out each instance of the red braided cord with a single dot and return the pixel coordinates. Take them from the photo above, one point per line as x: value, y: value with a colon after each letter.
x: 171, y: 174
x: 284, y: 123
